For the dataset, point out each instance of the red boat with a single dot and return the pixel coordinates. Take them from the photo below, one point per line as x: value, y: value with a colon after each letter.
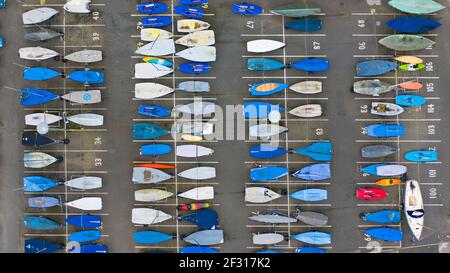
x: 371, y: 193
x: 194, y: 206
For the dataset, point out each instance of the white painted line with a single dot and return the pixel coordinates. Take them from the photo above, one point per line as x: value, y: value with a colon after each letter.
x: 401, y: 119
x: 410, y: 77
x: 401, y: 141
x: 179, y: 162
x: 69, y: 151
x: 390, y: 98
x: 397, y: 162
x: 307, y: 98
x: 290, y: 205
x: 378, y: 205
x: 281, y: 35
x: 392, y: 56
x: 285, y: 226
x: 287, y: 56
x: 386, y: 34
x: 166, y: 14
x: 293, y: 182
x: 290, y: 77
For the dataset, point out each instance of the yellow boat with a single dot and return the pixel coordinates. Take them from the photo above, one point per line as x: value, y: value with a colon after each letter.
x: 409, y: 59
x: 191, y: 138
x: 387, y: 182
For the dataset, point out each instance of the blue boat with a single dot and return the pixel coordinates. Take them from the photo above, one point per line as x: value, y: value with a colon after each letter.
x: 310, y: 195
x: 40, y: 246
x: 308, y: 249
x: 314, y: 238
x: 148, y: 131
x: 193, y: 2
x: 312, y: 65
x: 194, y: 68
x: 264, y: 64
x: 413, y: 24
x: 246, y: 9
x: 87, y: 76
x: 43, y: 202
x: 374, y: 68
x: 155, y: 149
x: 269, y: 251
x: 304, y: 25
x: 155, y: 111
x: 314, y: 172
x: 38, y: 183
x: 385, y: 130
x: 150, y: 237
x: 39, y: 74
x: 410, y: 100
x: 266, y: 151
x: 198, y: 249
x: 204, y: 219
x: 89, y: 248
x: 319, y: 151
x: 382, y: 217
x: 33, y: 96
x: 152, y: 7
x: 155, y: 21
x: 421, y: 156
x: 260, y: 109
x: 265, y: 173
x: 40, y: 223
x: 85, y: 221
x: 267, y: 88
x: 85, y: 236
x: 385, y: 234
x: 189, y: 12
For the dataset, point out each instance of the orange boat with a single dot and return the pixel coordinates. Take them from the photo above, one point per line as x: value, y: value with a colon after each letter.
x: 154, y: 165
x: 411, y: 85
x: 388, y: 182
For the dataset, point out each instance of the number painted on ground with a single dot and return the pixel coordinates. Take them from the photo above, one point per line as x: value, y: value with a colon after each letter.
x: 98, y: 162
x: 316, y: 45
x: 95, y: 36
x: 319, y: 131
x: 362, y: 23
x: 431, y: 129
x: 98, y: 141
x: 251, y: 24
x: 429, y: 66
x: 430, y: 87
x: 95, y: 15
x: 432, y: 193
x: 432, y: 173
x: 362, y: 46
x: 430, y: 108
x: 374, y: 246
x: 364, y: 109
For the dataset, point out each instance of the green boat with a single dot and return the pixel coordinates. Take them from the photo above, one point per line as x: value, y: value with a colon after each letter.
x: 416, y: 6
x: 296, y: 11
x: 404, y: 42
x: 412, y: 67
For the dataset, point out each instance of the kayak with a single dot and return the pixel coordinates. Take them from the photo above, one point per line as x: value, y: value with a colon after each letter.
x: 246, y: 9
x: 86, y: 203
x: 199, y: 193
x: 154, y: 111
x: 84, y: 236
x: 319, y: 151
x: 387, y: 182
x: 38, y: 118
x: 198, y: 249
x: 194, y: 206
x: 37, y: 53
x: 155, y: 21
x: 272, y: 218
x: 38, y: 15
x: 149, y: 175
x: 307, y: 87
x: 382, y: 217
x: 148, y: 131
x: 265, y: 173
x: 267, y: 88
x: 304, y: 25
x: 312, y: 65
x: 148, y: 216
x: 89, y: 248
x: 411, y: 85
x: 374, y: 68
x: 264, y: 45
x: 191, y: 25
x: 260, y: 195
x: 416, y: 6
x: 263, y: 64
x: 85, y: 183
x: 386, y: 109
x: 384, y: 169
x: 296, y: 11
x: 413, y: 24
x: 198, y: 54
x: 149, y: 237
x: 151, y: 90
x: 85, y: 221
x: 189, y: 12
x: 87, y: 76
x: 39, y: 74
x: 412, y: 67
x: 314, y: 172
x: 312, y: 218
x: 155, y: 60
x: 159, y: 47
x: 307, y: 111
x: 409, y: 59
x: 199, y: 173
x: 371, y: 193
x: 385, y: 130
x: 198, y: 38
x: 194, y: 68
x: 193, y: 2
x: 38, y: 183
x: 385, y: 234
x: 34, y: 139
x: 414, y: 207
x: 267, y: 238
x: 377, y: 150
x: 406, y: 42
x: 310, y: 195
x: 204, y: 219
x: 37, y: 160
x: 87, y: 119
x: 198, y: 107
x: 259, y: 109
x: 194, y: 86
x: 85, y: 56
x: 43, y: 202
x: 421, y: 156
x: 77, y: 6
x: 266, y: 130
x: 155, y: 149
x: 151, y: 195
x: 41, y: 246
x: 152, y: 7
x: 40, y: 223
x: 153, y: 34
x: 372, y: 87
x: 34, y: 97
x: 155, y: 165
x: 266, y: 151
x: 205, y: 237
x: 307, y: 249
x: 193, y: 151
x: 41, y: 35
x: 84, y: 97
x: 314, y: 238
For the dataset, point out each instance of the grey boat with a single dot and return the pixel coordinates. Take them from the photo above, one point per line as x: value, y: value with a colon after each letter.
x: 267, y: 238
x: 272, y: 218
x: 312, y: 218
x: 372, y: 87
x: 39, y: 15
x: 205, y: 237
x: 42, y: 34
x: 375, y: 151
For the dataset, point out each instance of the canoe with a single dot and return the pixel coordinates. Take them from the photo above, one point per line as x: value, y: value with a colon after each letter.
x: 41, y: 35
x: 374, y: 68
x: 312, y: 218
x: 310, y: 195
x: 314, y: 172
x: 195, y: 128
x: 40, y: 223
x: 43, y: 202
x: 203, y: 219
x: 314, y: 238
x: 86, y: 203
x: 85, y: 221
x: 153, y: 34
x: 411, y: 67
x: 84, y: 97
x: 155, y: 149
x: 194, y: 206
x: 38, y: 15
x: 37, y: 160
x: 194, y: 86
x: 371, y: 193
x: 421, y: 156
x: 385, y: 234
x: 260, y: 195
x: 411, y: 85
x: 387, y: 182
x: 149, y: 175
x: 154, y: 22
x: 319, y: 151
x: 85, y: 183
x: 194, y: 68
x: 416, y: 6
x: 37, y: 53
x: 307, y: 87
x: 147, y: 131
x: 193, y: 2
x: 304, y: 25
x: 264, y: 45
x: 246, y: 9
x: 191, y: 25
x: 266, y: 130
x: 307, y: 111
x: 38, y: 183
x: 198, y: 249
x: 386, y: 109
x: 34, y: 97
x: 267, y: 88
x: 193, y: 151
x: 266, y: 151
x: 86, y: 76
x: 413, y: 24
x: 149, y: 237
x: 409, y: 59
x: 159, y: 47
x: 384, y: 169
x: 406, y: 42
x: 205, y: 237
x: 198, y: 38
x: 151, y: 90
x: 89, y: 248
x: 39, y: 74
x: 260, y: 109
x: 199, y: 193
x: 272, y: 218
x: 41, y: 246
x: 312, y: 65
x: 77, y: 6
x: 84, y: 236
x: 152, y: 7
x: 85, y: 56
x: 372, y: 87
x: 151, y: 195
x: 308, y: 249
x: 198, y: 54
x: 199, y: 173
x: 155, y: 60
x: 382, y: 217
x: 87, y: 119
x: 189, y: 12
x: 265, y: 173
x: 154, y: 111
x: 264, y: 64
x: 38, y: 118
x: 385, y: 130
x: 296, y: 11
x: 267, y: 238
x: 150, y: 71
x: 196, y: 108
x: 414, y: 207
x: 148, y: 216
x: 378, y: 150
x: 34, y: 139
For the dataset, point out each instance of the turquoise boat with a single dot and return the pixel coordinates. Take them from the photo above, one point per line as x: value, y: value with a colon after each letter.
x: 148, y: 131
x: 416, y: 6
x: 40, y: 223
x: 382, y: 217
x: 304, y: 25
x: 85, y: 236
x: 421, y: 156
x: 296, y: 11
x: 410, y: 100
x: 264, y: 64
x: 319, y: 151
x: 150, y: 237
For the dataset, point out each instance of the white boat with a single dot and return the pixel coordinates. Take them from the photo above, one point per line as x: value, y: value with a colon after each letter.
x: 87, y: 119
x: 151, y: 90
x: 39, y: 15
x: 84, y: 97
x: 272, y: 218
x: 193, y: 128
x: 86, y: 203
x: 37, y: 160
x: 199, y: 54
x: 260, y: 195
x: 199, y: 193
x: 267, y: 238
x: 143, y: 175
x: 36, y: 53
x: 37, y: 118
x: 148, y: 216
x: 205, y: 237
x: 85, y: 56
x: 266, y: 130
x: 191, y: 25
x: 153, y: 34
x: 196, y: 108
x: 193, y: 151
x: 414, y: 208
x: 198, y: 173
x: 199, y: 38
x: 160, y: 47
x: 151, y: 195
x: 77, y: 6
x: 307, y: 87
x: 85, y: 183
x: 307, y: 111
x: 264, y: 45
x: 386, y: 109
x: 150, y: 71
